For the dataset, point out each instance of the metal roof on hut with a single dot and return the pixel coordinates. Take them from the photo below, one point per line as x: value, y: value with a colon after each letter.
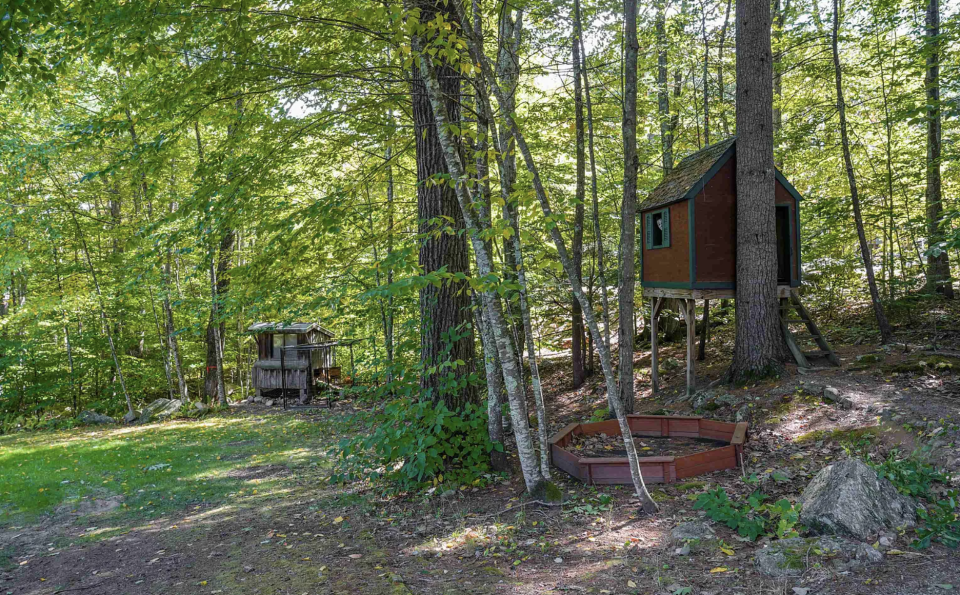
x: 279, y: 327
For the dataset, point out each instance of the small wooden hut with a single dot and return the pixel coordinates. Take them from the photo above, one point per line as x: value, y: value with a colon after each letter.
x: 689, y: 246
x: 296, y: 357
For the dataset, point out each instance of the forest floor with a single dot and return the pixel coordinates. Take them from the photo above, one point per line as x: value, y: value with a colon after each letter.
x: 236, y: 503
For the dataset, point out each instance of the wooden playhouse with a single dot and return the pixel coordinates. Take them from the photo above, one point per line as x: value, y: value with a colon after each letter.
x: 298, y: 359
x: 689, y: 246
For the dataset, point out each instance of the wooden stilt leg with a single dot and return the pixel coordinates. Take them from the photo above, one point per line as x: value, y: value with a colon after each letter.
x: 690, y: 316
x: 705, y: 331
x: 654, y: 356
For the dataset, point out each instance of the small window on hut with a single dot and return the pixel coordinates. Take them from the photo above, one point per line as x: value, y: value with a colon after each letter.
x: 657, y: 225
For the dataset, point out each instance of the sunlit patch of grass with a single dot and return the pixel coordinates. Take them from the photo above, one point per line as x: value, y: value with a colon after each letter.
x: 852, y: 438
x: 154, y: 468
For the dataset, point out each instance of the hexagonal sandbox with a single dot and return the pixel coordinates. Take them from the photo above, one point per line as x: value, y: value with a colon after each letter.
x: 616, y: 470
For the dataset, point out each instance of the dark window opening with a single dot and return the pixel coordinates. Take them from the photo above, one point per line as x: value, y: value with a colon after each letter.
x: 658, y: 229
x: 784, y: 248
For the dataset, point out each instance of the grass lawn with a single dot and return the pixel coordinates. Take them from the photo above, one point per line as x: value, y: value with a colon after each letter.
x: 149, y: 470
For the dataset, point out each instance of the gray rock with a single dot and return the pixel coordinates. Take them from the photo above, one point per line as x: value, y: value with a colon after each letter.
x: 743, y: 414
x: 683, y: 551
x: 831, y: 394
x: 845, y: 403
x: 131, y: 416
x: 848, y: 498
x: 160, y: 410
x: 93, y: 418
x: 790, y: 557
x: 268, y: 402
x: 200, y: 407
x: 693, y: 530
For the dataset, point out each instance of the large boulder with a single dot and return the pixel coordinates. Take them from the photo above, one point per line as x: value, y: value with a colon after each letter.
x: 91, y: 417
x: 131, y: 417
x: 848, y: 498
x: 159, y: 410
x: 791, y: 557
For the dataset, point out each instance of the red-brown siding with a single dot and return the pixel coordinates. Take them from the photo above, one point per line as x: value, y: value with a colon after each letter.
x: 671, y: 264
x: 715, y: 218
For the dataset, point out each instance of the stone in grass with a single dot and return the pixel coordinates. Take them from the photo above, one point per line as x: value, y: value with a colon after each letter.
x: 849, y: 498
x: 831, y: 394
x: 131, y: 416
x: 791, y: 557
x: 693, y: 530
x: 93, y: 418
x: 160, y: 409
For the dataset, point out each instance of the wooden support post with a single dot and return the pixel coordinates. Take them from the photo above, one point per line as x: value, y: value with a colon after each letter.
x: 705, y: 331
x: 654, y: 356
x: 690, y: 317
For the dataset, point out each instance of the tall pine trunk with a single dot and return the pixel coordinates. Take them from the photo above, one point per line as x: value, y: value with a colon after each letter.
x: 886, y: 333
x: 444, y: 310
x: 759, y: 345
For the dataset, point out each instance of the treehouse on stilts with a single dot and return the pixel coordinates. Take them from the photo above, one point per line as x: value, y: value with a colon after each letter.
x: 689, y: 243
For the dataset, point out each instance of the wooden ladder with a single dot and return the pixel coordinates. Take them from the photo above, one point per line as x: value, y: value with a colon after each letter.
x: 790, y: 307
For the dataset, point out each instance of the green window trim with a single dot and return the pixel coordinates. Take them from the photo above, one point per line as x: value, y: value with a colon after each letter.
x: 651, y: 231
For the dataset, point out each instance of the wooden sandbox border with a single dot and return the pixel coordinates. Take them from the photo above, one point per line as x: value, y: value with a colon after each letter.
x: 616, y: 470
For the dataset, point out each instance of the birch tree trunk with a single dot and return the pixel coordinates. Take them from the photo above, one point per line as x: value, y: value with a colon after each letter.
x: 533, y: 478
x: 605, y: 358
x: 886, y: 333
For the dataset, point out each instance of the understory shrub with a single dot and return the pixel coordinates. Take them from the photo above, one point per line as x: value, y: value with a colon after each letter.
x: 409, y: 442
x: 752, y: 519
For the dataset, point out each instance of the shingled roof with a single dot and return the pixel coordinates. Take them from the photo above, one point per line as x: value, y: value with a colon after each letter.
x: 688, y: 174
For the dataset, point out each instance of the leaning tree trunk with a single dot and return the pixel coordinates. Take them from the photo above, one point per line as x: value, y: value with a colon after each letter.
x: 493, y: 308
x: 886, y: 333
x: 492, y: 368
x: 938, y: 260
x: 759, y: 346
x: 566, y: 262
x: 444, y: 309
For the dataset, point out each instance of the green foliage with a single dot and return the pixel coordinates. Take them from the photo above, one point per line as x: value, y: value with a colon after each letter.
x: 408, y: 442
x: 910, y: 475
x: 940, y: 522
x: 601, y: 414
x: 752, y: 519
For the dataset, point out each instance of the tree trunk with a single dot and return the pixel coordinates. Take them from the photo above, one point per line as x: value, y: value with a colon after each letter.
x: 886, y: 333
x: 444, y: 310
x: 598, y: 236
x: 706, y: 76
x: 938, y: 260
x: 628, y: 212
x: 721, y: 91
x: 663, y: 93
x: 492, y: 368
x: 759, y: 345
x: 577, y: 346
x: 605, y: 359
x: 103, y: 315
x: 493, y: 308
